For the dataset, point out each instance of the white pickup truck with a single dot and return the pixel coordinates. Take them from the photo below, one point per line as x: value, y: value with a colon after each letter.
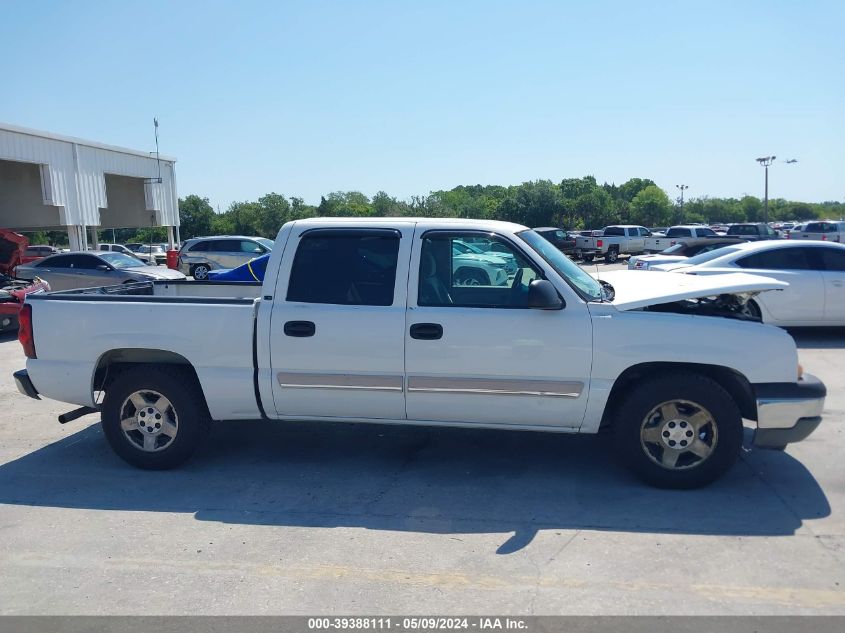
x: 614, y: 241
x: 361, y: 320
x: 659, y: 242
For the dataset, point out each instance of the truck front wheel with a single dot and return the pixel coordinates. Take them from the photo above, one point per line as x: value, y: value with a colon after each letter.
x: 154, y: 416
x: 680, y: 431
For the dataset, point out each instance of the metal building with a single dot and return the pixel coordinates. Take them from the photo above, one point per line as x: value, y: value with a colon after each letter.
x: 49, y: 181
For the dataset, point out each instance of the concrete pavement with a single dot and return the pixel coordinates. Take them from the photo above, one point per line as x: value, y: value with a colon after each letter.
x: 316, y: 518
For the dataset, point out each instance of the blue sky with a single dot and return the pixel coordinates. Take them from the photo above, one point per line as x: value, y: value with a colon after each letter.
x: 303, y: 98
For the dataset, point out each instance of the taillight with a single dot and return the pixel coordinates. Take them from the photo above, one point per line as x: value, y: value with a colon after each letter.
x: 25, y: 331
x: 824, y: 237
x: 599, y: 243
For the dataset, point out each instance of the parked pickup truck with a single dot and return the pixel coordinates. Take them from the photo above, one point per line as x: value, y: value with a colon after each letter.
x: 658, y: 243
x: 613, y: 242
x: 361, y: 320
x: 752, y: 231
x: 826, y: 231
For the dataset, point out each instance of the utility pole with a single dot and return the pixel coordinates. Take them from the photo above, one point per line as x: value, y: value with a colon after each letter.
x: 682, y: 187
x: 765, y: 161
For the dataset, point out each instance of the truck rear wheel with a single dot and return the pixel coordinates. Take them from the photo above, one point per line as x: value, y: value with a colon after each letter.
x: 679, y: 431
x: 154, y: 416
x: 612, y: 256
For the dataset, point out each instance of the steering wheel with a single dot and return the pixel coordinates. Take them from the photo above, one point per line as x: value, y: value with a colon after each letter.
x: 516, y: 288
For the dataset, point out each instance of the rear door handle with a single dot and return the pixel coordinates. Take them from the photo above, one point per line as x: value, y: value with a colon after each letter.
x: 427, y: 331
x: 300, y: 328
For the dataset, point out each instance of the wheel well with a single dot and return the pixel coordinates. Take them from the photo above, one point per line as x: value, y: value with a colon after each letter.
x: 730, y: 380
x: 115, y: 361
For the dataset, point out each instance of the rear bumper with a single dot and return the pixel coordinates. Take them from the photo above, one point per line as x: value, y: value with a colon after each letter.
x: 788, y: 412
x: 24, y: 384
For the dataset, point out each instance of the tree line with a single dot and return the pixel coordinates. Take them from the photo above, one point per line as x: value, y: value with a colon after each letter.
x: 572, y: 203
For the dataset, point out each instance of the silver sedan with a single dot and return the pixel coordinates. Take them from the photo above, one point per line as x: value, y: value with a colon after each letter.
x: 67, y: 271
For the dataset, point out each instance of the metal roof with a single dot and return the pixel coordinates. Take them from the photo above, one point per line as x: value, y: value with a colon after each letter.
x: 79, y: 141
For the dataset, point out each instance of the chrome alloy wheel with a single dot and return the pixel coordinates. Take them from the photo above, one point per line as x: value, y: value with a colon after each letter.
x: 679, y: 434
x: 149, y: 421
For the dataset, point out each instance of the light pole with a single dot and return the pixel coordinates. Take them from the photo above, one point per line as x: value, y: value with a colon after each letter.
x: 682, y: 187
x: 765, y: 161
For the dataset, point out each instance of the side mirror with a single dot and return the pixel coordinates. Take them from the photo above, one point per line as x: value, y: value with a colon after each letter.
x: 103, y: 267
x: 543, y: 296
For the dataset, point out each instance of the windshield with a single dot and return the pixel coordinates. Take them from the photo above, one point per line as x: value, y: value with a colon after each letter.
x: 674, y: 249
x: 120, y: 260
x: 586, y: 286
x: 710, y: 255
x: 265, y: 242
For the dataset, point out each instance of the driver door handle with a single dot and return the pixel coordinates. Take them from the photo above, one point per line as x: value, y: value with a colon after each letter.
x: 300, y: 329
x: 427, y: 331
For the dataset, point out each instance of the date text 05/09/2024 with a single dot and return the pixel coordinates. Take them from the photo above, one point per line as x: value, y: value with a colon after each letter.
x: 419, y: 623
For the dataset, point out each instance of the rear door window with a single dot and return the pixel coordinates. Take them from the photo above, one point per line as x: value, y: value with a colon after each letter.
x: 833, y: 259
x: 345, y: 267
x: 679, y: 233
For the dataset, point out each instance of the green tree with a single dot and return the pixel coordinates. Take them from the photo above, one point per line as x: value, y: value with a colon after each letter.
x: 273, y: 211
x: 651, y: 207
x: 195, y: 216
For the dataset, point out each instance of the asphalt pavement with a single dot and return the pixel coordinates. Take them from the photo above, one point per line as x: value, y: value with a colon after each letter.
x: 308, y: 518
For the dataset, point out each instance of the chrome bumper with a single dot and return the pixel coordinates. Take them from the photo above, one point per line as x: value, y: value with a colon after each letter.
x: 788, y: 412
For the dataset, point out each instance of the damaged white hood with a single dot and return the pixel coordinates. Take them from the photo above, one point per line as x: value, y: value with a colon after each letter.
x: 637, y: 290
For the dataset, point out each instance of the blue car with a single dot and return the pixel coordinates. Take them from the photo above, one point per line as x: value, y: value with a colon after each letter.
x: 253, y: 270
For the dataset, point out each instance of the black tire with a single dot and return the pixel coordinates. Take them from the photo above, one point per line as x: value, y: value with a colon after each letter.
x: 611, y: 256
x: 182, y: 392
x: 752, y: 310
x: 588, y: 258
x: 200, y: 271
x: 471, y: 276
x: 723, y: 432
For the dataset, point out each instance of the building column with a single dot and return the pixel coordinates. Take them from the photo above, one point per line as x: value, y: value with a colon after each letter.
x: 95, y: 242
x: 73, y: 238
x: 170, y: 238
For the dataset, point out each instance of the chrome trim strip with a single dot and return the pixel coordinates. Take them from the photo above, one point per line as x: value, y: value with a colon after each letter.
x: 496, y: 386
x: 294, y: 380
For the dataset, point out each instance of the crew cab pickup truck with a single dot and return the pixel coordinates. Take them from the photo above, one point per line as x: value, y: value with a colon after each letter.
x: 752, y: 232
x: 826, y: 231
x: 614, y: 241
x: 658, y: 243
x: 361, y: 320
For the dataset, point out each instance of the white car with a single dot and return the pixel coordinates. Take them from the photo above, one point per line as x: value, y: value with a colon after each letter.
x: 680, y: 252
x: 815, y: 272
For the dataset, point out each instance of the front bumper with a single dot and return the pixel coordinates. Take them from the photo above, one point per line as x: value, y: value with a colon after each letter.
x: 24, y: 384
x: 788, y: 412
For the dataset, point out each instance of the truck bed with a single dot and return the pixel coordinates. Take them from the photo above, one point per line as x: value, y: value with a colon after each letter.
x: 210, y: 325
x: 190, y: 290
